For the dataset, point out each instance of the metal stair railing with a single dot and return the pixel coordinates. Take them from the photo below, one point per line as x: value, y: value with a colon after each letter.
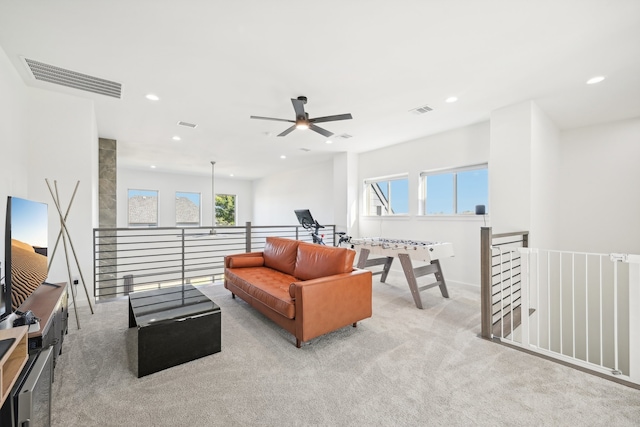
x: 132, y: 259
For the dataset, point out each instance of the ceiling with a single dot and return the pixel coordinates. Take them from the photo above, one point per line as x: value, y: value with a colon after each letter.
x: 215, y: 63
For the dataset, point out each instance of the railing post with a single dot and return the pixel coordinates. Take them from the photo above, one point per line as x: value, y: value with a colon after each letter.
x: 183, y: 255
x: 247, y: 233
x: 485, y: 282
x: 525, y: 289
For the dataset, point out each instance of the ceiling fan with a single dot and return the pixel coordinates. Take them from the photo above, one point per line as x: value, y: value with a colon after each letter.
x: 303, y: 121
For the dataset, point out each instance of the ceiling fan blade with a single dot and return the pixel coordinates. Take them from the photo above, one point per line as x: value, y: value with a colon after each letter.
x: 298, y: 107
x: 272, y: 118
x: 288, y: 131
x: 320, y: 130
x: 331, y: 118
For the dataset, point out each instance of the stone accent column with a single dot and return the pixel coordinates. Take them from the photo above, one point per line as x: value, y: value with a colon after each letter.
x: 107, y: 208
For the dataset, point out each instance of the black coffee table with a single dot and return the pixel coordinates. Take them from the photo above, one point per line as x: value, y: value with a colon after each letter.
x: 175, y: 325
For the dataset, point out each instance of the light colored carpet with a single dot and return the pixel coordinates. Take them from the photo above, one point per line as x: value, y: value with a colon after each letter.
x: 402, y: 367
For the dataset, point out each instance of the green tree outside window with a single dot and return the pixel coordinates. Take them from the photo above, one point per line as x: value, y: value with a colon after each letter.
x: 225, y: 209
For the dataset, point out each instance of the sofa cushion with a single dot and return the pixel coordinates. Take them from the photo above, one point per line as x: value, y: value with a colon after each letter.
x: 314, y: 261
x: 245, y: 261
x: 268, y: 286
x: 280, y: 254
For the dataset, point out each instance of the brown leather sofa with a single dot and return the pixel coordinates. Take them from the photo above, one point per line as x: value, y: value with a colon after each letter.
x: 307, y: 289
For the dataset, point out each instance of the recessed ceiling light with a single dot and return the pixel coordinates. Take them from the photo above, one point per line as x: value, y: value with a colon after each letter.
x: 152, y: 97
x: 230, y: 174
x: 176, y: 138
x: 328, y: 141
x: 451, y: 99
x: 153, y: 166
x: 283, y: 157
x: 594, y: 80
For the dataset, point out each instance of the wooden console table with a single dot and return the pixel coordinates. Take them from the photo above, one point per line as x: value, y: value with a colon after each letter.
x: 49, y: 303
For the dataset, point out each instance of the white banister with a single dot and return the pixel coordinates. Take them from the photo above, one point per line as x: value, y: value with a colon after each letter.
x: 600, y: 315
x: 573, y: 304
x: 615, y: 318
x: 586, y: 304
x: 522, y: 269
x: 634, y: 318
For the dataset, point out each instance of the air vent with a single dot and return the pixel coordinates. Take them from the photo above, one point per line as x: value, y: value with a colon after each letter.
x: 421, y: 110
x: 72, y: 79
x: 343, y: 136
x: 189, y: 125
x: 305, y: 149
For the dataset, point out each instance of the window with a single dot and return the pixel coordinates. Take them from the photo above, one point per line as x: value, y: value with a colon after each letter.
x: 143, y: 208
x: 187, y: 209
x: 455, y: 191
x: 225, y: 209
x: 387, y: 196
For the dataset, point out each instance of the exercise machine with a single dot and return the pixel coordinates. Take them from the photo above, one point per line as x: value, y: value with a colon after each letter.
x: 308, y: 223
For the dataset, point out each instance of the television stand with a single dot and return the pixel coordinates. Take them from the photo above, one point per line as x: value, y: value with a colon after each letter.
x: 5, y: 345
x: 13, y: 359
x: 52, y: 284
x: 49, y: 304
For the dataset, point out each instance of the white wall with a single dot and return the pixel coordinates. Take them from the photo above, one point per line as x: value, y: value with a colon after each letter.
x: 340, y: 181
x: 598, y: 196
x: 63, y: 147
x: 167, y: 184
x: 13, y: 140
x: 277, y: 196
x: 510, y: 168
x: 545, y: 175
x: 49, y: 135
x: 460, y: 147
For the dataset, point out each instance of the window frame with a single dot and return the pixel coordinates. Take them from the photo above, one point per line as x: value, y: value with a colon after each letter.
x: 188, y: 224
x: 235, y: 209
x: 157, y: 213
x: 423, y: 199
x: 368, y: 194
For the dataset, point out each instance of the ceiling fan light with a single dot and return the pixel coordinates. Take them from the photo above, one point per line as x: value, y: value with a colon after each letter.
x: 302, y: 124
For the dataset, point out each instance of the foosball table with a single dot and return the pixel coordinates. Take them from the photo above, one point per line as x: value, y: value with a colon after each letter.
x: 405, y: 250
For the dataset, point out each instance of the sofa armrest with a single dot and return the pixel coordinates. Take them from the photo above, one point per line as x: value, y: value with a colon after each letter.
x: 329, y: 303
x: 249, y: 259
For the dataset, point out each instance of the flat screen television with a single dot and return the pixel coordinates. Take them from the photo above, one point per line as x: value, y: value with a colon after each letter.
x: 25, y: 266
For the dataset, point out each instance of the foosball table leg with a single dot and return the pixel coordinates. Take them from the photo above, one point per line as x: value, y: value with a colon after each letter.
x: 407, y: 267
x: 386, y: 268
x: 362, y: 258
x: 440, y: 278
x: 364, y: 262
x: 411, y: 274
